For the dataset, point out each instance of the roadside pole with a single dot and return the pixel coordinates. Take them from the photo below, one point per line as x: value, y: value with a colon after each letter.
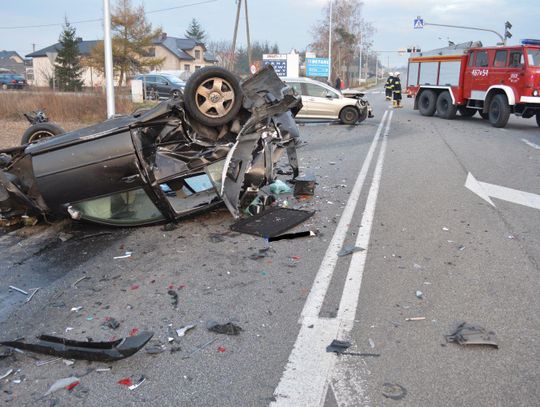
x: 109, y: 79
x: 330, y: 47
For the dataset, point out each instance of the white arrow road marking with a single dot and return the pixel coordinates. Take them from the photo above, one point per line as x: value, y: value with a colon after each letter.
x: 485, y: 191
x: 309, y: 368
x: 531, y: 144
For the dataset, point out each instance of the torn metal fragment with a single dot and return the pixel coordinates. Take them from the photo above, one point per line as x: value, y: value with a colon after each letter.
x: 6, y: 374
x: 349, y: 249
x: 32, y: 295
x: 304, y: 185
x: 95, y: 351
x: 467, y: 334
x: 228, y: 329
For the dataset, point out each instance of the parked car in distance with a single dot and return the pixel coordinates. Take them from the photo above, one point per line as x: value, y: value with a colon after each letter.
x: 12, y: 81
x: 162, y: 85
x: 321, y: 101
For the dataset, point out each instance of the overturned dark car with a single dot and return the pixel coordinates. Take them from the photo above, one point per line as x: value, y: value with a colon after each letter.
x: 219, y: 142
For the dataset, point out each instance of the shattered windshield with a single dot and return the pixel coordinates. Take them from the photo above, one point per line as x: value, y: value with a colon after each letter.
x: 533, y: 57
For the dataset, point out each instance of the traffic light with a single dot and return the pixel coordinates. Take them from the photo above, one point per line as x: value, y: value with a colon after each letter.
x: 507, y: 27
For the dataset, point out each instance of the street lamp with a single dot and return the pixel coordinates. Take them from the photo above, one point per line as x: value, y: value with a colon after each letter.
x: 330, y: 45
x: 109, y: 79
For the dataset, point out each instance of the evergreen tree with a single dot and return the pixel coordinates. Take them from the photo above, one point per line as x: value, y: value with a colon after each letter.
x: 275, y: 49
x: 67, y: 67
x: 196, y: 32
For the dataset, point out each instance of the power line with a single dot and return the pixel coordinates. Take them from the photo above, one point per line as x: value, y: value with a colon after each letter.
x: 100, y: 19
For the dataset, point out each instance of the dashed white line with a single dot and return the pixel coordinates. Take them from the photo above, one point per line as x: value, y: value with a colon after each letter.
x: 308, y: 371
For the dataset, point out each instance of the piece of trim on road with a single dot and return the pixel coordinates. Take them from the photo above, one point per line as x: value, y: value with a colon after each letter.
x: 531, y: 144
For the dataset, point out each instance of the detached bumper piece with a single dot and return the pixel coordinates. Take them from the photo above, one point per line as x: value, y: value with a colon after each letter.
x: 93, y: 351
x: 272, y: 222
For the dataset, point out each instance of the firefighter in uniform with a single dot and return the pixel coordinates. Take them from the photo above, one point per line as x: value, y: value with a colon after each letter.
x: 389, y: 86
x: 396, y: 91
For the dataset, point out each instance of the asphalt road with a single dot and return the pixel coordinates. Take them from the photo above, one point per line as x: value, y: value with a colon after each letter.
x: 394, y: 186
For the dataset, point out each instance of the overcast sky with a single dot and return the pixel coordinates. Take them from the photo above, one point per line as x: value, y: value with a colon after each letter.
x: 286, y: 22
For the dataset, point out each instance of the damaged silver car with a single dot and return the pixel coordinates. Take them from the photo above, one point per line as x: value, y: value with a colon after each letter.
x: 218, y: 142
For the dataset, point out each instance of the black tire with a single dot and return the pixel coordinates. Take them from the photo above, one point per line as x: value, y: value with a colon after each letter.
x: 483, y: 115
x: 349, y: 115
x: 538, y: 119
x: 499, y: 111
x: 41, y: 131
x: 427, y: 103
x: 445, y: 106
x: 213, y: 96
x: 466, y: 111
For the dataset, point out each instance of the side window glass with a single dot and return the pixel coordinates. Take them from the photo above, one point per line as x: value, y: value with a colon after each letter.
x: 124, y: 208
x: 315, y: 91
x: 161, y: 80
x: 516, y: 59
x: 500, y: 59
x: 482, y: 59
x: 297, y: 89
x: 471, y: 59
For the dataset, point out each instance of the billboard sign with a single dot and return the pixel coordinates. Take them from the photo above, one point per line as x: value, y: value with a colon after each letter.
x: 317, y: 67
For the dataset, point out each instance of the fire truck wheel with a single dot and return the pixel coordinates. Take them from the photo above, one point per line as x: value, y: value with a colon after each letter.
x: 484, y: 116
x: 466, y: 111
x: 538, y: 119
x: 427, y: 103
x: 499, y: 111
x: 445, y: 107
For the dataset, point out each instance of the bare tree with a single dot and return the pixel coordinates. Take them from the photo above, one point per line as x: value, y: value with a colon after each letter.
x: 349, y: 32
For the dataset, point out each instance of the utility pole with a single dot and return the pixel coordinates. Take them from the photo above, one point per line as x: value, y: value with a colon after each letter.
x: 247, y: 33
x: 109, y: 79
x: 330, y: 46
x: 239, y: 2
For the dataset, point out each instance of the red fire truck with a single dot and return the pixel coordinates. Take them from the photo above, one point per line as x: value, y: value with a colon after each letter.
x: 466, y: 78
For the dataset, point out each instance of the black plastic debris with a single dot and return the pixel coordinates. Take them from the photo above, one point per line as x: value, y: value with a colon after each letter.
x: 304, y: 185
x: 271, y: 222
x: 174, y: 298
x: 467, y: 334
x: 290, y: 236
x: 338, y: 346
x: 261, y: 253
x: 111, y: 323
x: 393, y: 391
x: 169, y: 227
x: 229, y: 328
x: 95, y: 351
x: 349, y: 249
x: 155, y: 347
x: 216, y: 238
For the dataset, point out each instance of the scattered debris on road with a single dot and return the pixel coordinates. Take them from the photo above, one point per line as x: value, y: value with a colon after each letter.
x: 279, y: 187
x: 228, y: 328
x: 76, y: 309
x: 184, y: 329
x: 3, y: 376
x: 11, y: 287
x: 141, y: 380
x: 126, y: 381
x: 174, y: 298
x: 416, y: 319
x: 419, y: 295
x: 111, y: 323
x: 94, y: 351
x: 349, y: 249
x: 200, y: 348
x: 35, y: 290
x: 68, y: 383
x: 291, y: 236
x: 74, y: 285
x: 338, y: 346
x: 393, y: 391
x: 124, y: 256
x: 467, y: 334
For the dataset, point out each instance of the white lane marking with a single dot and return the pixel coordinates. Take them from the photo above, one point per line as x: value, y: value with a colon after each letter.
x: 307, y: 373
x: 531, y: 144
x: 316, y: 296
x: 349, y: 381
x: 485, y: 191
